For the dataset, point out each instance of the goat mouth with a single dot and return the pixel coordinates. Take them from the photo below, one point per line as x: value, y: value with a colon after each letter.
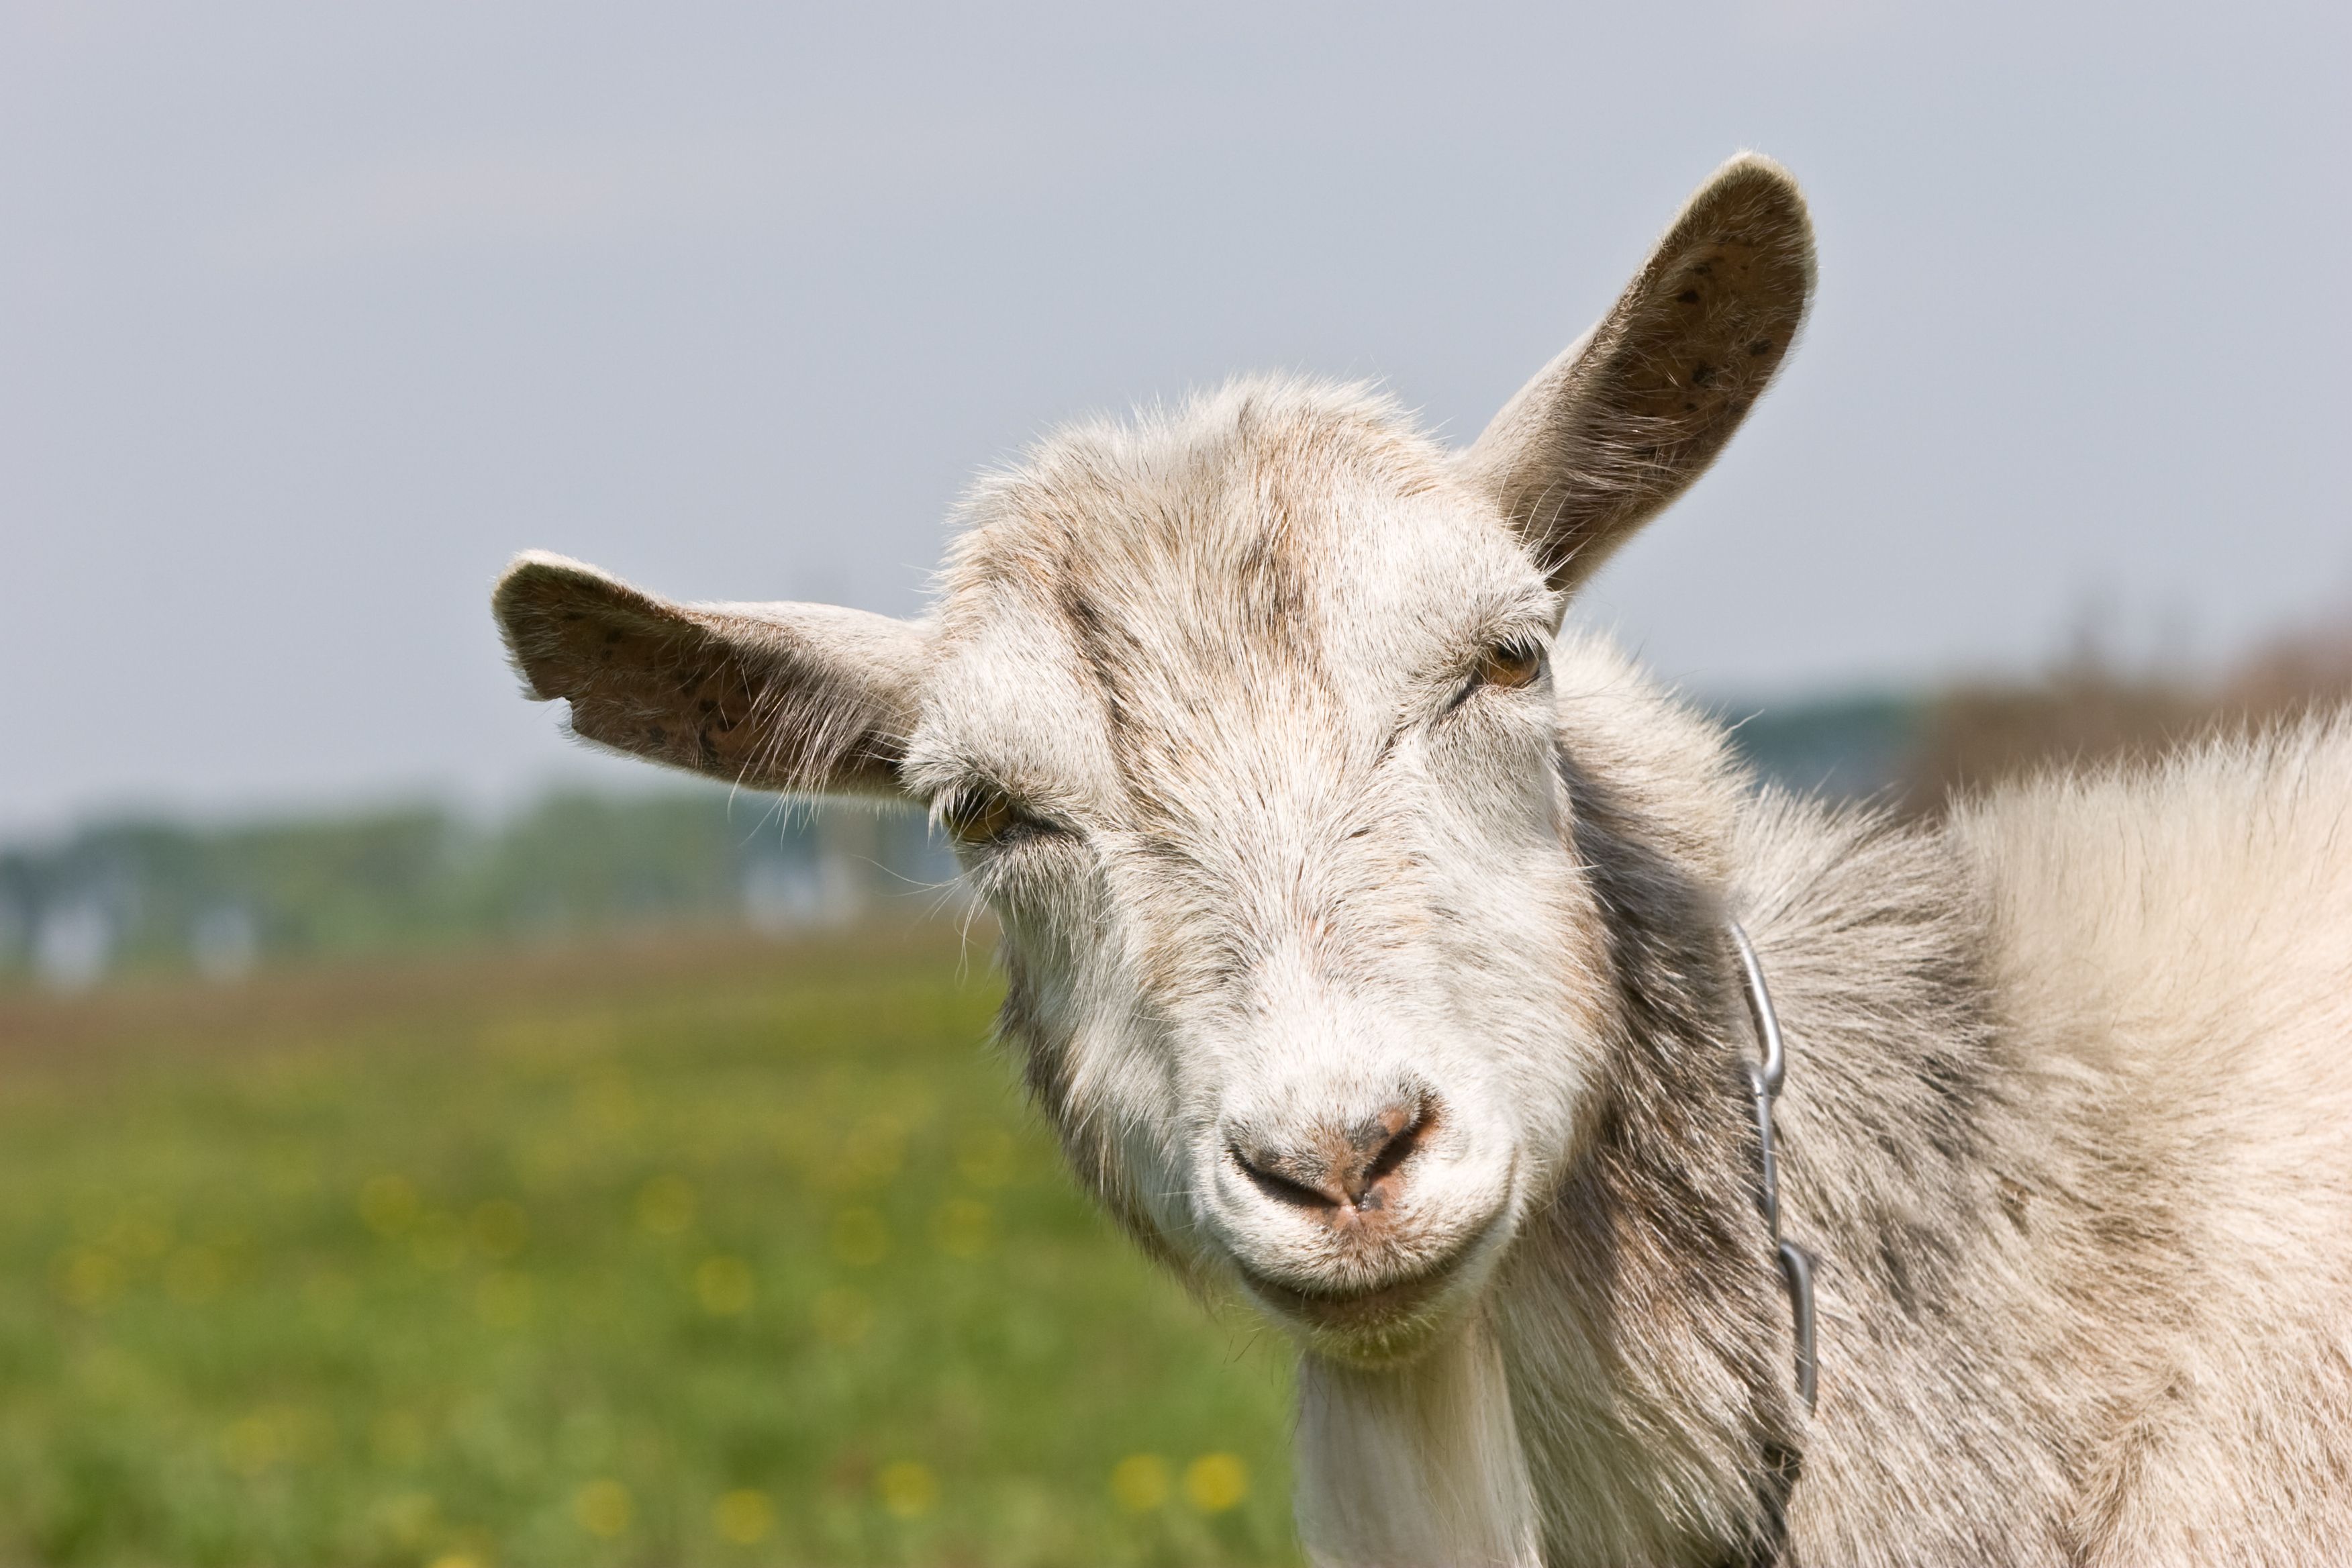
x: 1353, y: 1311
x: 1375, y: 1310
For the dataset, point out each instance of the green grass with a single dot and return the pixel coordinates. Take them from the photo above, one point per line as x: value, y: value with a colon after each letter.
x: 716, y: 1253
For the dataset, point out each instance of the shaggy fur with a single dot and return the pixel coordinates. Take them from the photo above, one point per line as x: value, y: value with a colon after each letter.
x: 1365, y: 940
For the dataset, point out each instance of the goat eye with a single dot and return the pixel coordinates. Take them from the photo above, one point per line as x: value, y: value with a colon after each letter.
x: 1510, y: 665
x: 979, y: 816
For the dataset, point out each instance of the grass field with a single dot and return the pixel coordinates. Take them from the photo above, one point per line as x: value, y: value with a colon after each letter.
x: 712, y: 1252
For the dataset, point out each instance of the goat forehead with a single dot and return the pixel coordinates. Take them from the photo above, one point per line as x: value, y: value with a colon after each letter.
x: 1239, y: 590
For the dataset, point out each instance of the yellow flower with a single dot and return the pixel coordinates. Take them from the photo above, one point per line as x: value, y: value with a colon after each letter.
x: 503, y: 1300
x: 88, y: 1278
x: 961, y: 1227
x: 724, y: 1285
x: 908, y: 1490
x: 603, y: 1506
x: 251, y: 1443
x: 1139, y: 1482
x: 743, y: 1517
x: 406, y: 1518
x: 388, y: 1204
x: 1216, y: 1482
x: 665, y: 1205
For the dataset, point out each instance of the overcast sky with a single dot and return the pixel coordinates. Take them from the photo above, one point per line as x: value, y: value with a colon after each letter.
x: 311, y: 316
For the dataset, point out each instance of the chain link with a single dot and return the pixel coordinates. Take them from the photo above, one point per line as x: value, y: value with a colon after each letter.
x: 1764, y: 1079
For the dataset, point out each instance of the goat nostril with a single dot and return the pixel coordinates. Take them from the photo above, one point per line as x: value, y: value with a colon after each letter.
x: 1262, y: 1173
x: 1391, y: 1155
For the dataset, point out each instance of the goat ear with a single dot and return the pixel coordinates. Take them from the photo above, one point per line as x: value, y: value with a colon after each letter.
x: 1615, y: 428
x: 807, y: 698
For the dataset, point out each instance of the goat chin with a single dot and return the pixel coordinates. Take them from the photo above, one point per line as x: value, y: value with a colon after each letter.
x: 1415, y: 1465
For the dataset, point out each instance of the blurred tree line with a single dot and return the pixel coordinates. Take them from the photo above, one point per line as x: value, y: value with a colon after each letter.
x: 134, y: 894
x: 1914, y: 752
x: 2084, y: 713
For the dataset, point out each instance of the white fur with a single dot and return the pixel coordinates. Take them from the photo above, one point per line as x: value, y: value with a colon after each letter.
x: 2071, y: 1073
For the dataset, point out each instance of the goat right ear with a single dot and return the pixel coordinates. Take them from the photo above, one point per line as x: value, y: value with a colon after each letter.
x: 806, y: 697
x: 1619, y: 425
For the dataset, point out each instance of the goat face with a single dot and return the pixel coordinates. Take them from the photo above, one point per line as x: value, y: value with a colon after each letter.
x: 1244, y: 722
x: 1245, y: 726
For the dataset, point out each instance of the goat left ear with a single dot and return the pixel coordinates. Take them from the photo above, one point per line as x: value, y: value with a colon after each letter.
x: 807, y: 698
x: 1618, y: 425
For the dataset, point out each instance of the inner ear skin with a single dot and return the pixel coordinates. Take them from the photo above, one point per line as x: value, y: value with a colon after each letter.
x: 1696, y: 358
x: 1691, y: 360
x: 637, y: 679
x: 713, y: 691
x: 659, y: 694
x: 1624, y: 422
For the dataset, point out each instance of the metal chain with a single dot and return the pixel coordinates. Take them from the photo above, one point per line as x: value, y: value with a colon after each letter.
x: 1764, y: 1079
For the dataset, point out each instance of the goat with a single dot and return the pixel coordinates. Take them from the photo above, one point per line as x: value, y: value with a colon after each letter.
x: 1368, y: 943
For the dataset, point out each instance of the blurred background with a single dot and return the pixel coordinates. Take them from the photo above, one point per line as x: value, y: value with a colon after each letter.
x: 425, y: 1142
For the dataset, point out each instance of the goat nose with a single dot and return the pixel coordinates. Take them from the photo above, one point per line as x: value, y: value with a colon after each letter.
x: 1340, y: 1170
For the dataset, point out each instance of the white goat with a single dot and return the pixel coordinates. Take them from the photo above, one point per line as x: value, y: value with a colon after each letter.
x: 1367, y: 945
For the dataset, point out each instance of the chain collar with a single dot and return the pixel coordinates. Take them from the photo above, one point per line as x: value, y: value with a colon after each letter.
x: 1764, y: 1080
x: 1770, y: 1546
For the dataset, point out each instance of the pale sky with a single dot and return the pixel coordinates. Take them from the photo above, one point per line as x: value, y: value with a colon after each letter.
x: 311, y: 316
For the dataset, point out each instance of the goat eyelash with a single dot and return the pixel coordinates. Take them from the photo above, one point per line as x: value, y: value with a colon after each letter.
x: 1509, y: 664
x: 983, y: 816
